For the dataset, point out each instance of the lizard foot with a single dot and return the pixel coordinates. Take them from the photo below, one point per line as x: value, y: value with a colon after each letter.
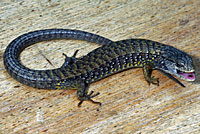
x: 87, y: 97
x: 153, y: 80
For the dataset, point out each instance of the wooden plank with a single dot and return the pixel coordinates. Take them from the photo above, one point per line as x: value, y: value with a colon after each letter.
x: 129, y: 104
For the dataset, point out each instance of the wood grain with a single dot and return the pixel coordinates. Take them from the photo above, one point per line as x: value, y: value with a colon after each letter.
x: 129, y: 104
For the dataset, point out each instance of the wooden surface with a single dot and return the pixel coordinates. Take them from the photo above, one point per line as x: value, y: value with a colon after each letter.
x: 129, y: 104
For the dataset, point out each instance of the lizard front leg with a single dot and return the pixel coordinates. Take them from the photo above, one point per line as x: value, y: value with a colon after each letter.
x: 147, y: 70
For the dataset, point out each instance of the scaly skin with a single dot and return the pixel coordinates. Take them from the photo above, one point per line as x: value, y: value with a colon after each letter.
x: 110, y: 58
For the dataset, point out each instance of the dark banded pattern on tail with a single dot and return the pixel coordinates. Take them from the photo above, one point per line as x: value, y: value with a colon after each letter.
x: 33, y: 77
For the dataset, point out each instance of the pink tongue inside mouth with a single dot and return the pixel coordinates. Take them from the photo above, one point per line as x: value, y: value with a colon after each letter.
x: 188, y: 76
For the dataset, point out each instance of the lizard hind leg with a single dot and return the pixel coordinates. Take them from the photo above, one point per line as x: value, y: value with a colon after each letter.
x: 69, y: 60
x: 147, y: 70
x: 83, y: 94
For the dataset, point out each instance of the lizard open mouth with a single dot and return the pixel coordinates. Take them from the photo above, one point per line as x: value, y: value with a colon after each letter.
x: 189, y: 76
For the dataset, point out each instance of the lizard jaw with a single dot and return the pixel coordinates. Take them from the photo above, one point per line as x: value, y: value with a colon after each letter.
x: 184, y: 75
x: 189, y: 76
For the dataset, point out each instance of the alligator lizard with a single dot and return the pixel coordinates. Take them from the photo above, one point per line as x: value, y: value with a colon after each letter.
x: 110, y: 58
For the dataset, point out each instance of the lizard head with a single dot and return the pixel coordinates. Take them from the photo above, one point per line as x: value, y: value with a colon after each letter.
x: 177, y: 63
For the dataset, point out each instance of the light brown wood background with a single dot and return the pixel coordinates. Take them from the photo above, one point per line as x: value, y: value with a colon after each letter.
x: 129, y: 104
